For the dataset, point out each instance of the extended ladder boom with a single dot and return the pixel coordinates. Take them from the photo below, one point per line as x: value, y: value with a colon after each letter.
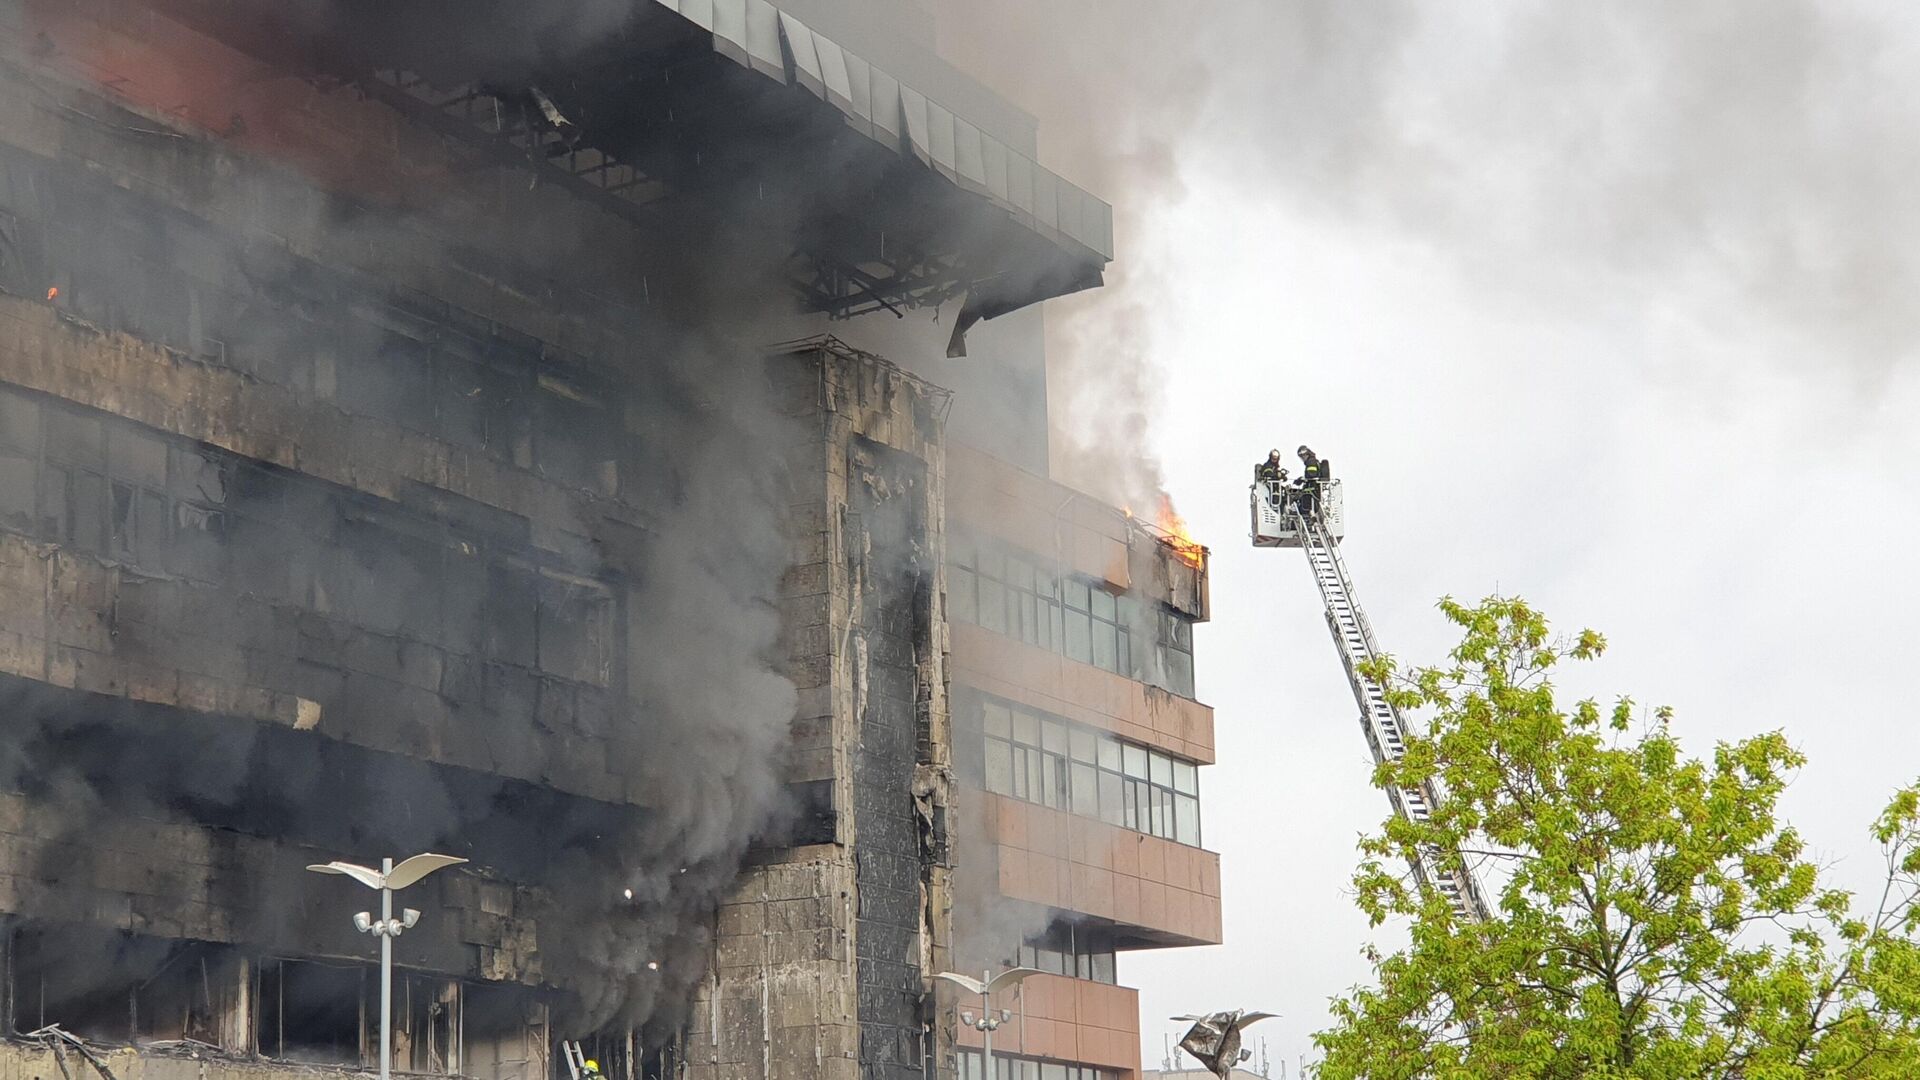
x: 1283, y: 523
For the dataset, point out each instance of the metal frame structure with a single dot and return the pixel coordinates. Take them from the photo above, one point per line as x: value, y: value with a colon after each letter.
x: 1380, y: 719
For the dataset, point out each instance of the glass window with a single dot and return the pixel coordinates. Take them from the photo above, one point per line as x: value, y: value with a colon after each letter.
x: 1103, y: 967
x: 1186, y: 777
x: 990, y: 562
x: 960, y: 596
x: 1086, y: 792
x: 999, y: 767
x: 1180, y: 673
x: 999, y: 720
x: 1079, y: 636
x: 1187, y: 820
x: 993, y: 606
x: 1083, y: 744
x: 1026, y: 727
x: 1053, y: 735
x: 1103, y: 605
x: 1053, y: 1071
x: 1106, y: 651
x: 1048, y: 760
x: 1077, y: 594
x: 1112, y: 810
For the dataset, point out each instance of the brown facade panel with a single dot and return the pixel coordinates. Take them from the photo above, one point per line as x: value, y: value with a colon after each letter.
x: 996, y: 664
x: 1168, y: 892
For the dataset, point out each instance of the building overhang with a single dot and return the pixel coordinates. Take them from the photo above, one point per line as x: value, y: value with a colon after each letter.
x: 720, y: 117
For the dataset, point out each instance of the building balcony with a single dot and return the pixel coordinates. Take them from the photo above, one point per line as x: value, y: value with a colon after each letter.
x: 1045, y: 680
x: 1157, y: 893
x: 1068, y: 1020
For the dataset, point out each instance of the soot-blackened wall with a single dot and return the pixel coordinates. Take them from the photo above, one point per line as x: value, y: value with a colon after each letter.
x: 892, y: 571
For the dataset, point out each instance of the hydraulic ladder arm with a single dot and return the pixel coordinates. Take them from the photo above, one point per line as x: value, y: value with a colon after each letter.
x: 1283, y: 523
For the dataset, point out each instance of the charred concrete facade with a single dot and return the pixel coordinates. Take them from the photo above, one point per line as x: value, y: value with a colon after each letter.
x: 413, y: 440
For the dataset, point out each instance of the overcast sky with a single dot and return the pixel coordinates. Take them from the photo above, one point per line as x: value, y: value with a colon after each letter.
x: 1610, y: 307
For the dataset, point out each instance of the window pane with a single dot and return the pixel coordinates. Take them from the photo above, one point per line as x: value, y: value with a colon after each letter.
x: 1161, y: 826
x: 960, y: 596
x: 1123, y: 656
x: 1053, y: 736
x: 960, y: 549
x: 993, y: 606
x: 1059, y: 627
x: 1182, y: 633
x: 1083, y: 742
x: 1079, y: 637
x: 999, y: 767
x: 1052, y: 1071
x: 1110, y: 808
x: 1019, y: 573
x: 1036, y: 776
x: 1076, y: 593
x: 997, y: 719
x: 1053, y: 775
x: 1104, y: 653
x: 1180, y: 673
x: 1131, y: 805
x: 1026, y: 727
x: 1103, y: 605
x: 1187, y: 819
x: 1103, y: 968
x: 1044, y: 618
x: 1086, y: 793
x: 989, y: 563
x: 1021, y: 788
x: 1109, y: 752
x: 1029, y: 618
x: 1136, y: 759
x: 1162, y: 773
x: 1186, y: 777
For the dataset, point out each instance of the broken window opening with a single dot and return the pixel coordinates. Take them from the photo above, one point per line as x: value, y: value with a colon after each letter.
x: 504, y: 1033
x: 313, y: 1013
x: 114, y: 987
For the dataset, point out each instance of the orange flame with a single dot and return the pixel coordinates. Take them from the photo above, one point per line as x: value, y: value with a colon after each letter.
x: 53, y: 293
x: 1174, y: 533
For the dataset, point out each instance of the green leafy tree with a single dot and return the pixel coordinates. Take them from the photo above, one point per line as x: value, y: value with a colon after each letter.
x: 1654, y: 917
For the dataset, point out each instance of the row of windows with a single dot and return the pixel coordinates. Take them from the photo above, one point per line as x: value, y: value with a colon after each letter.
x: 1044, y: 759
x: 402, y: 358
x: 1022, y: 596
x: 108, y: 487
x: 1078, y: 952
x: 973, y: 1067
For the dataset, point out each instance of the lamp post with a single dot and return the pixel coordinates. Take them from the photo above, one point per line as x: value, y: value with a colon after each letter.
x: 989, y: 1020
x: 389, y: 879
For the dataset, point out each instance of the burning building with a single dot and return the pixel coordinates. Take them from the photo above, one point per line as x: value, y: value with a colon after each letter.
x: 395, y: 455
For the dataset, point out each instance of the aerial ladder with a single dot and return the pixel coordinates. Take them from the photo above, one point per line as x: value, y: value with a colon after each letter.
x: 1311, y: 516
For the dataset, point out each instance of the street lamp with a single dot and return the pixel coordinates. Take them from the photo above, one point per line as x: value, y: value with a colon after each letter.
x: 388, y: 879
x: 988, y: 1021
